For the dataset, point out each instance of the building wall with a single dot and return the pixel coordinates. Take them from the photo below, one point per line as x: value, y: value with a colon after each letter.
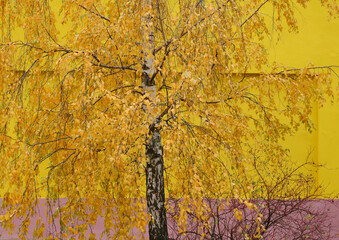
x: 317, y: 43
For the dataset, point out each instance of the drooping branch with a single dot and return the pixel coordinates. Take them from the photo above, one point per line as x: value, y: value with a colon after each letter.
x: 255, y: 12
x: 330, y: 67
x: 129, y: 67
x: 51, y: 141
x: 95, y: 13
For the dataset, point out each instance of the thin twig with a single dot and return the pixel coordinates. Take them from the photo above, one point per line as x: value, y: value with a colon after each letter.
x: 116, y: 67
x: 255, y: 12
x: 95, y: 13
x: 42, y: 143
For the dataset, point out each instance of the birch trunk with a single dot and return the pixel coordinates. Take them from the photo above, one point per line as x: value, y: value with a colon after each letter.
x: 155, y: 191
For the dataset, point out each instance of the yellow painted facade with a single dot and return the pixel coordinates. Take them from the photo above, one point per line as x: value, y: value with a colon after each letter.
x: 317, y: 42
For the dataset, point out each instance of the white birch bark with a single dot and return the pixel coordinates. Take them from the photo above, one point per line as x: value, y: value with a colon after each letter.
x: 155, y: 191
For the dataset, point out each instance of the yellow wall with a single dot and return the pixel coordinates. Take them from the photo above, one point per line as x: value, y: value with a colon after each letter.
x: 317, y: 42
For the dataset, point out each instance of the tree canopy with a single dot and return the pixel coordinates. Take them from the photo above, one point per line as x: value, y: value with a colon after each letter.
x: 89, y: 84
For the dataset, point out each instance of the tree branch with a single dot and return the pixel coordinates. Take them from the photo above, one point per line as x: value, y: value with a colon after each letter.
x: 116, y: 67
x: 95, y: 13
x: 42, y: 143
x: 255, y: 12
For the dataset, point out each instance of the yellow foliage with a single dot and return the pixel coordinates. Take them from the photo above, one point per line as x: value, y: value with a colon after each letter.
x: 237, y: 214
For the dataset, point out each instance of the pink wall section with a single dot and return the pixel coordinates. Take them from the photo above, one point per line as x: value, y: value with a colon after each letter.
x: 295, y: 222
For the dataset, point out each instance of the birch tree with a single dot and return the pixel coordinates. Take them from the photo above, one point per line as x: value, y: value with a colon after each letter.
x: 109, y: 103
x: 155, y: 190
